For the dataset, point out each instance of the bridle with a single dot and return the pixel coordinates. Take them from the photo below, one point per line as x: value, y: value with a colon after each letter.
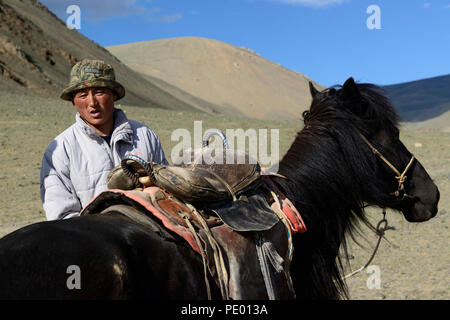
x: 382, y: 225
x: 400, y: 177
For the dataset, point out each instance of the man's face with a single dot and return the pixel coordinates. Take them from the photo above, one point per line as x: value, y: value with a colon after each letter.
x: 96, y: 107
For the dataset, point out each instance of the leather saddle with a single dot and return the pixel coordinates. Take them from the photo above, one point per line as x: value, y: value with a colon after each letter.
x: 228, y: 187
x: 195, y: 182
x: 240, y: 274
x: 228, y: 196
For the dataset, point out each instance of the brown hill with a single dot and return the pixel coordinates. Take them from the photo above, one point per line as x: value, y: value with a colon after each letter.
x: 37, y: 51
x: 235, y: 78
x: 440, y: 123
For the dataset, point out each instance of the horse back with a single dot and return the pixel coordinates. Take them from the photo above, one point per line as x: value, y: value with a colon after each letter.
x: 91, y: 257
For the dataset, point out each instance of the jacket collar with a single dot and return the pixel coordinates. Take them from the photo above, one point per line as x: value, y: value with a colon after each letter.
x: 122, y: 129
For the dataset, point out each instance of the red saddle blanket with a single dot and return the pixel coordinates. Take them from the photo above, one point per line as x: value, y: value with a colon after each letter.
x: 245, y: 280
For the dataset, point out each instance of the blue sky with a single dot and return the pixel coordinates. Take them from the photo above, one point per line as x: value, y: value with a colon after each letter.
x: 327, y: 40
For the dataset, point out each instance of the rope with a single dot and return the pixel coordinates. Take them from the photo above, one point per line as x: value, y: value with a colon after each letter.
x: 401, y: 177
x: 267, y: 253
x: 287, y: 223
x: 230, y: 190
x: 280, y: 212
x: 218, y: 258
x: 375, y: 151
x: 380, y: 232
x: 187, y: 218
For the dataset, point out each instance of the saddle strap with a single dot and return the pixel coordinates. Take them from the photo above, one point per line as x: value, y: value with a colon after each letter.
x: 284, y: 208
x: 202, y: 252
x: 268, y: 254
x: 222, y: 274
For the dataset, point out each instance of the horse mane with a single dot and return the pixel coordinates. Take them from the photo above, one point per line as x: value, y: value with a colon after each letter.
x: 331, y: 178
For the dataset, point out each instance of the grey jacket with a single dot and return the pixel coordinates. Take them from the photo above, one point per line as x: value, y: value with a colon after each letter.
x: 77, y: 162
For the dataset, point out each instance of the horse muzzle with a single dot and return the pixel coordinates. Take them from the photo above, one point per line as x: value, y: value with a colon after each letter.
x: 418, y: 211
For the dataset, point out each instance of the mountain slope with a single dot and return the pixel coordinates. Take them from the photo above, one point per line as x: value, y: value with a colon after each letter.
x: 441, y: 123
x: 37, y: 51
x: 235, y: 78
x: 422, y: 99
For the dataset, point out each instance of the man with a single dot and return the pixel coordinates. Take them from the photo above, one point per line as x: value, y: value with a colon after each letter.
x: 76, y: 164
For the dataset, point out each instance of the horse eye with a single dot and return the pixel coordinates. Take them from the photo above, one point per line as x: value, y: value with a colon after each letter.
x: 306, y: 115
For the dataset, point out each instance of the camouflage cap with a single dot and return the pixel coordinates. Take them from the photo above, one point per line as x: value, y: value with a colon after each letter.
x: 92, y: 73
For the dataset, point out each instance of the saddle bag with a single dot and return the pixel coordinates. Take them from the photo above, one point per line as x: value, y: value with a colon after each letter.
x: 195, y: 182
x: 207, y: 183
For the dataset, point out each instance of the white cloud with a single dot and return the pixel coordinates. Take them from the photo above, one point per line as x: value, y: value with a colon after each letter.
x: 426, y: 5
x: 311, y: 3
x: 155, y: 15
x: 168, y: 18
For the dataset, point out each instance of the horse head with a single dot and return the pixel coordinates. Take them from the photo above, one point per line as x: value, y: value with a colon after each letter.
x: 399, y: 181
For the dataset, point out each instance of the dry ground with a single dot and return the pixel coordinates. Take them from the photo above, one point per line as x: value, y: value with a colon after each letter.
x: 416, y: 266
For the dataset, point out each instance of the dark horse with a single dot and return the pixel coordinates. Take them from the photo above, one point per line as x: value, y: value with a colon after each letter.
x: 332, y: 175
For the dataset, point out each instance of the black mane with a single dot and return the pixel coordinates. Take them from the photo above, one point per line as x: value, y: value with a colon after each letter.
x: 329, y: 167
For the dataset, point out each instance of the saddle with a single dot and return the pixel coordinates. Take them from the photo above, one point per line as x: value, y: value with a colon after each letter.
x: 234, y: 259
x: 230, y: 191
x: 195, y: 182
x: 231, y: 214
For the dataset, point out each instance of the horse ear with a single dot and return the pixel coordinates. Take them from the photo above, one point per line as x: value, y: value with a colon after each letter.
x: 313, y: 90
x: 350, y: 90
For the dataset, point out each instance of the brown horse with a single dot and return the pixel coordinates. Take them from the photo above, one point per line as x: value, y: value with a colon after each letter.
x: 333, y: 172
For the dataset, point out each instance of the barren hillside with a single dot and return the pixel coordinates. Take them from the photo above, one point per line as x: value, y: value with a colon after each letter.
x: 223, y: 74
x: 441, y: 123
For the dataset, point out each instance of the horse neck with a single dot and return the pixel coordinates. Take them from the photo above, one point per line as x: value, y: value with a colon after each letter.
x: 324, y: 188
x: 326, y: 181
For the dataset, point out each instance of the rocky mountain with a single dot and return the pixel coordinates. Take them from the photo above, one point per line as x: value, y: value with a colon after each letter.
x: 37, y: 51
